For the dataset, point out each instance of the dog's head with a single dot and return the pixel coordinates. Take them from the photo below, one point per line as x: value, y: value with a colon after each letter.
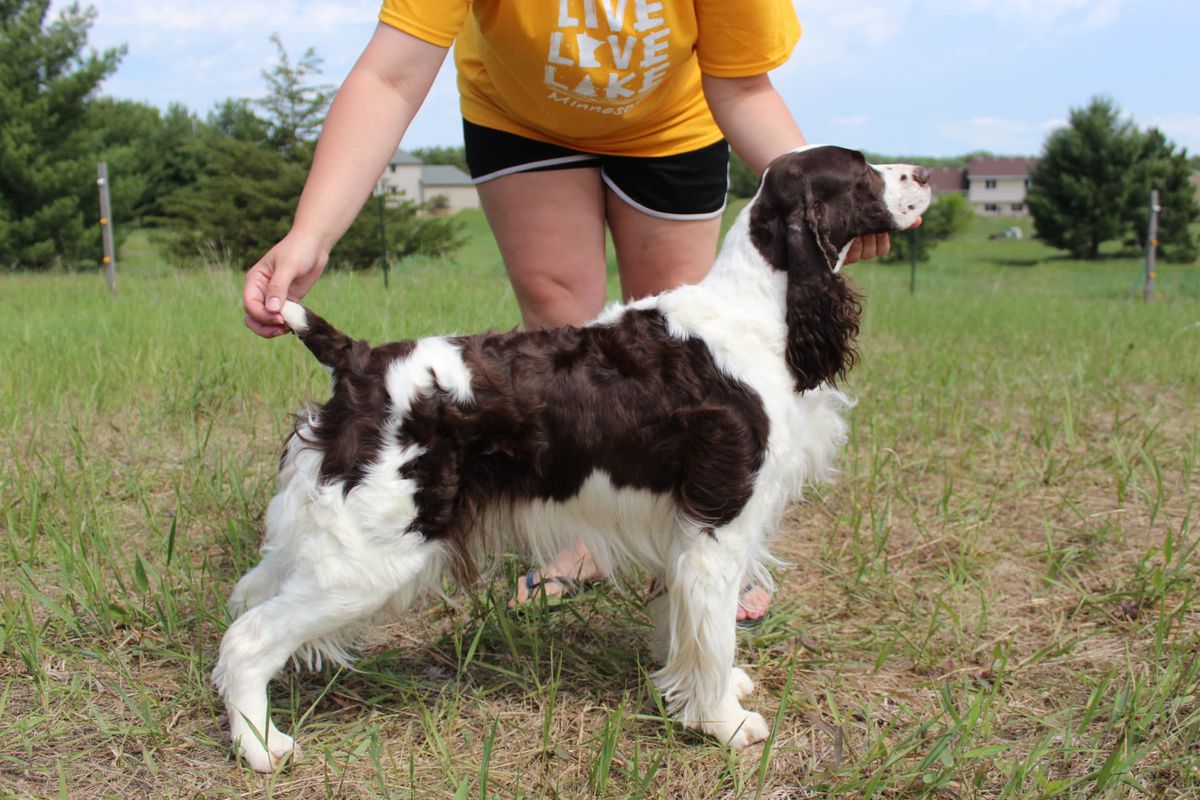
x: 813, y: 202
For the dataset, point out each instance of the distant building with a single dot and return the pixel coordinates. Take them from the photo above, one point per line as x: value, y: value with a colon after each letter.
x: 948, y: 180
x: 996, y: 187
x: 406, y: 176
x: 451, y: 183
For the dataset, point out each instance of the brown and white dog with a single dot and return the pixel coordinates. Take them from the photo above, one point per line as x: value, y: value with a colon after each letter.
x: 670, y: 433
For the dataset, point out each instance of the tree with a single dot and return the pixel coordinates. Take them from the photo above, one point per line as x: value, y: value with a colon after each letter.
x: 46, y: 165
x: 243, y: 201
x: 295, y: 109
x: 1158, y: 165
x: 240, y: 204
x: 453, y: 156
x: 743, y: 181
x: 250, y: 174
x: 951, y: 214
x: 150, y: 154
x: 1080, y: 184
x: 235, y: 118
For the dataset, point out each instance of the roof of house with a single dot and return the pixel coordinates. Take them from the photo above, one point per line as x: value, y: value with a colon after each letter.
x: 404, y: 157
x: 444, y: 175
x: 1001, y: 167
x: 948, y: 179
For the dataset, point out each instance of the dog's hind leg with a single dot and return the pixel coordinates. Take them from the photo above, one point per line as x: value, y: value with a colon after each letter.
x: 697, y: 631
x: 307, y: 614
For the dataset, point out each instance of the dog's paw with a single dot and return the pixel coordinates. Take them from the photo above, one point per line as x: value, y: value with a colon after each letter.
x: 737, y: 730
x: 754, y: 729
x: 280, y: 749
x: 740, y: 683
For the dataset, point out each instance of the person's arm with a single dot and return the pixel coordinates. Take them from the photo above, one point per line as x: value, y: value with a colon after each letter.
x: 759, y: 127
x: 366, y: 121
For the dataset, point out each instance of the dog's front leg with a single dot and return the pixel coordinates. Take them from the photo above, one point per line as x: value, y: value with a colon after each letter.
x: 696, y: 629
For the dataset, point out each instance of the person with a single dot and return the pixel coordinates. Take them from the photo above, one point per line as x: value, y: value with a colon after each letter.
x: 577, y: 115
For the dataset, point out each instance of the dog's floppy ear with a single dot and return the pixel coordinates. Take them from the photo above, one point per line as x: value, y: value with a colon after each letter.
x: 822, y: 309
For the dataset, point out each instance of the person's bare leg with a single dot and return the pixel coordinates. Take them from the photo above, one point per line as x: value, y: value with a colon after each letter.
x: 653, y: 256
x: 550, y: 229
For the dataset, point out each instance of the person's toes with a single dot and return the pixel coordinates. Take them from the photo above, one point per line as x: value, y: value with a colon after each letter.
x: 531, y: 584
x: 754, y: 602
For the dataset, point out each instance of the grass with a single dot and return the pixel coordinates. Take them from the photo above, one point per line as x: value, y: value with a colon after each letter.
x: 998, y: 600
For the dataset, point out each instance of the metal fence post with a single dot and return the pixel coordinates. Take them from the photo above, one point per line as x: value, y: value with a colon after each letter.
x: 106, y: 234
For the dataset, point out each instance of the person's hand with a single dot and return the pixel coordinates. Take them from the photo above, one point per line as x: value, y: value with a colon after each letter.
x: 875, y: 245
x: 286, y: 272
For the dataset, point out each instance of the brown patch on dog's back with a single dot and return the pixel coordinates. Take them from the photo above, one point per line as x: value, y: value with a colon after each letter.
x: 552, y: 407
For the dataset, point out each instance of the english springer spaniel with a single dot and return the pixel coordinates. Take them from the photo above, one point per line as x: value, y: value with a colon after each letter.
x: 670, y: 433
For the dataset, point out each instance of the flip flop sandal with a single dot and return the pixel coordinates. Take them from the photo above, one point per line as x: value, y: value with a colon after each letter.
x: 655, y: 591
x: 538, y: 598
x: 750, y: 622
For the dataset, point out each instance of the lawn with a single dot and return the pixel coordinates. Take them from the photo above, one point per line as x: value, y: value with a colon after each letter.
x: 997, y: 599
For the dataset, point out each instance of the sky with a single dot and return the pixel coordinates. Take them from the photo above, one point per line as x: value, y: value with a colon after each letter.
x: 911, y: 77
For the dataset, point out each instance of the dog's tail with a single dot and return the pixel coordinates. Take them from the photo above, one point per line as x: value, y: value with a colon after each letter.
x: 332, y: 348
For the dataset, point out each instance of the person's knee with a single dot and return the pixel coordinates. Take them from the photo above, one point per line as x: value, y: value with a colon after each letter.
x: 550, y: 298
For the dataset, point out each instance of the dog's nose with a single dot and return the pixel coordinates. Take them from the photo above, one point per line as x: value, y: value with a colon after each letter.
x: 921, y: 175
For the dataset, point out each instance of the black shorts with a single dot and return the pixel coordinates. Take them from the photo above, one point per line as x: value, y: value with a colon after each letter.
x: 686, y: 186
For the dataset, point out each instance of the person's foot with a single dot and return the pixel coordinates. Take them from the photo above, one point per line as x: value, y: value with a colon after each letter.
x: 753, y: 604
x: 570, y: 569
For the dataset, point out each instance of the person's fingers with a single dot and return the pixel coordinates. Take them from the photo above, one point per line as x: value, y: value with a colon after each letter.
x: 855, y: 251
x: 870, y: 246
x: 254, y: 293
x: 278, y: 287
x: 883, y: 245
x: 266, y: 331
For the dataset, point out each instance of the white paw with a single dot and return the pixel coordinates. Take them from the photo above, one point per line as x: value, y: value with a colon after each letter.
x: 738, y: 730
x: 280, y: 748
x: 754, y: 729
x: 740, y: 683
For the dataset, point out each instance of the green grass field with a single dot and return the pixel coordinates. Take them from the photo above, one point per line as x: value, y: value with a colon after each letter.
x: 998, y: 599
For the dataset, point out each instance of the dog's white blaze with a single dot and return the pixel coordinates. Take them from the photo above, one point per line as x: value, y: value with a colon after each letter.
x: 904, y: 197
x: 295, y: 316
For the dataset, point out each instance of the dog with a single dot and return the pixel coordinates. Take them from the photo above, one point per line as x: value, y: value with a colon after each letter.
x: 670, y: 433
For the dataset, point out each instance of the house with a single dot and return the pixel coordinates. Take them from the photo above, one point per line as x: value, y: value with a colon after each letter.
x: 948, y: 180
x: 406, y: 176
x: 448, y: 187
x: 996, y: 186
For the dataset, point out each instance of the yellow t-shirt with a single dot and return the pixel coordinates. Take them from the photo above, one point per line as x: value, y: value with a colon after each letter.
x: 618, y: 77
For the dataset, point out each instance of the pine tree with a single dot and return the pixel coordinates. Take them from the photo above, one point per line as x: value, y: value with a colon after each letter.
x: 1080, y: 184
x: 47, y: 167
x: 294, y: 108
x: 252, y: 169
x: 1160, y: 166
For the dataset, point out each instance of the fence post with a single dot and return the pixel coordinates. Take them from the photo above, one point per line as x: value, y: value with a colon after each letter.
x: 914, y: 240
x: 383, y: 254
x: 1151, y: 246
x: 106, y: 234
